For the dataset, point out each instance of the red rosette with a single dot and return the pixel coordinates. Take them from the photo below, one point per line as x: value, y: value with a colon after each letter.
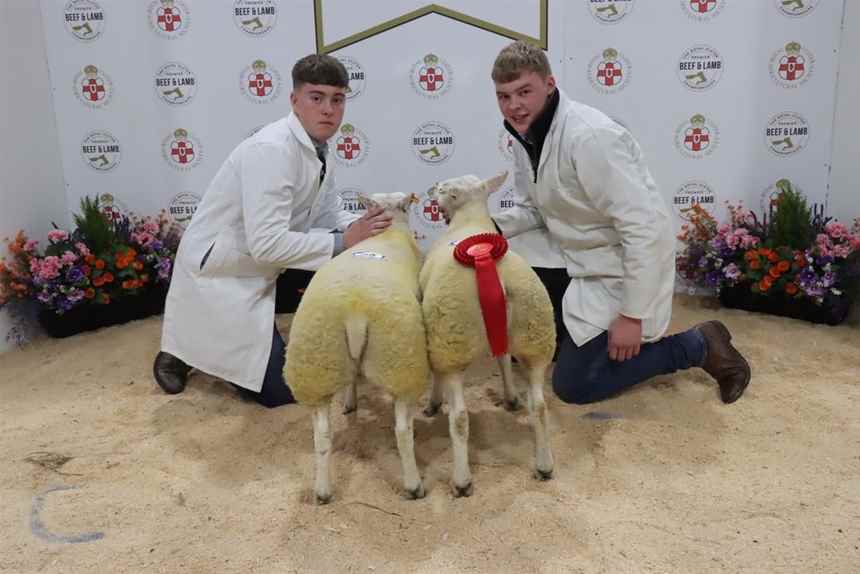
x: 481, y: 252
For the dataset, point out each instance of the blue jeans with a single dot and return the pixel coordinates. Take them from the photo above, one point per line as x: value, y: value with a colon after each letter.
x: 586, y: 374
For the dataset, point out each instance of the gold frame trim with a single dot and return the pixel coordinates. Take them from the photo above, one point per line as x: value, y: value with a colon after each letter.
x: 323, y: 48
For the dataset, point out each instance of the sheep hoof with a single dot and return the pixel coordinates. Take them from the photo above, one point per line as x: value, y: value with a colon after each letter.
x: 460, y: 491
x: 416, y: 493
x: 323, y: 499
x: 543, y: 474
x: 432, y: 409
x: 513, y: 405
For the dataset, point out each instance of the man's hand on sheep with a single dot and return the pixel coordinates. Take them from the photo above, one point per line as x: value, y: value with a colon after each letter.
x: 374, y: 222
x: 625, y: 337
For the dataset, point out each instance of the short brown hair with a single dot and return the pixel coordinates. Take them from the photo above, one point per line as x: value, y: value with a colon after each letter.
x: 519, y: 57
x: 320, y: 69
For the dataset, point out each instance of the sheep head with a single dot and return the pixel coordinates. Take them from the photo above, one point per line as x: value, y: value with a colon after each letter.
x: 393, y: 202
x: 453, y: 194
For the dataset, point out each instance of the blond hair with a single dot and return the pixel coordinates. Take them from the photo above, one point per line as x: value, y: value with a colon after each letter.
x: 519, y: 57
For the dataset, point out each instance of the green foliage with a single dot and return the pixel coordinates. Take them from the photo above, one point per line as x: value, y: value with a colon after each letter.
x: 791, y: 225
x: 94, y: 226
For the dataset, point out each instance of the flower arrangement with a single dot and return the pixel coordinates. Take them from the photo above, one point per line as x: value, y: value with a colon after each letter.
x: 793, y: 252
x: 108, y: 257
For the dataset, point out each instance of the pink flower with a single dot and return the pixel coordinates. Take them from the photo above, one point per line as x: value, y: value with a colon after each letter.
x: 30, y: 246
x: 835, y: 229
x: 69, y: 258
x: 842, y: 251
x: 50, y: 267
x: 82, y: 249
x: 57, y: 235
x: 749, y: 241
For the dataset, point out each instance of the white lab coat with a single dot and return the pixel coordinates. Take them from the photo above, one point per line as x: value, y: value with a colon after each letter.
x: 263, y: 212
x: 598, y: 201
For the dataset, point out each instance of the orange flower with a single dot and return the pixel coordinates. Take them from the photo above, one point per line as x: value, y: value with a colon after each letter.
x: 90, y: 258
x: 790, y: 288
x: 108, y: 277
x: 105, y: 299
x: 783, y: 266
x: 99, y: 281
x: 772, y: 257
x: 774, y: 272
x: 755, y: 264
x: 764, y: 284
x: 90, y: 293
x: 800, y: 260
x: 121, y: 263
x: 750, y: 255
x: 128, y: 284
x: 100, y: 264
x: 137, y: 265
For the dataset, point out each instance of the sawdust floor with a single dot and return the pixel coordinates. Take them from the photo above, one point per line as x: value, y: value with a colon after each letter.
x: 102, y: 472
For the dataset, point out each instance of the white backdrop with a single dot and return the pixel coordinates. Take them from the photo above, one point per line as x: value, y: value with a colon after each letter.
x: 725, y: 96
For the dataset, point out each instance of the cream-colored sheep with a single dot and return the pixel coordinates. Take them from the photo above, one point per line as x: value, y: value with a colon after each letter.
x: 456, y: 334
x: 361, y: 315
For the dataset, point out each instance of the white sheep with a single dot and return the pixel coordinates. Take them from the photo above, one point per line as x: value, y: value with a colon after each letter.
x: 456, y: 335
x: 360, y: 315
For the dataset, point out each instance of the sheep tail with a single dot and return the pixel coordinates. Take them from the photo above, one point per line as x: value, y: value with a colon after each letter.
x: 356, y: 335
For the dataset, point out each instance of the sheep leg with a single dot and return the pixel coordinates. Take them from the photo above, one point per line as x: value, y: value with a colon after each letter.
x: 349, y: 397
x: 403, y: 429
x: 512, y: 402
x: 432, y: 409
x: 539, y: 415
x: 458, y: 426
x: 322, y: 448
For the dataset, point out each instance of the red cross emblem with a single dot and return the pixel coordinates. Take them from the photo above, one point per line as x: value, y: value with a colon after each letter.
x: 431, y: 210
x: 168, y: 20
x: 182, y: 152
x: 703, y: 6
x: 260, y: 84
x: 697, y: 139
x: 792, y: 67
x: 431, y: 79
x: 94, y: 90
x: 348, y: 147
x: 607, y: 72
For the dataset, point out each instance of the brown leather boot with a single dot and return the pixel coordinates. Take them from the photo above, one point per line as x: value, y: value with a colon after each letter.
x: 723, y: 361
x: 170, y: 373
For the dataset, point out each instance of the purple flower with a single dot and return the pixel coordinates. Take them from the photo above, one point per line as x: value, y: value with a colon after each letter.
x: 732, y: 272
x: 712, y: 278
x: 74, y: 275
x: 76, y: 295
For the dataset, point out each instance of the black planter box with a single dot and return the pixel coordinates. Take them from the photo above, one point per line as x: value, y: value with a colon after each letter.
x: 832, y: 310
x: 92, y: 316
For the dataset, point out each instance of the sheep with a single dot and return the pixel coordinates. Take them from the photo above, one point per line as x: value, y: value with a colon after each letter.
x: 455, y: 328
x: 360, y: 315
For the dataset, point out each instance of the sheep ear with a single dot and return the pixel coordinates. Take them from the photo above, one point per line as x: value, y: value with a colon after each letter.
x: 365, y: 200
x: 494, y: 183
x: 405, y: 203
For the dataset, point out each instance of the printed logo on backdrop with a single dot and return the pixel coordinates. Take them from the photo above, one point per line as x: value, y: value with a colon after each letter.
x: 796, y: 7
x: 433, y: 142
x: 101, y: 151
x: 255, y: 17
x: 431, y: 76
x: 111, y: 207
x: 175, y: 83
x: 770, y: 196
x: 506, y: 145
x: 351, y: 203
x: 693, y: 193
x: 502, y: 199
x: 787, y: 133
x: 182, y: 207
x: 792, y: 66
x: 427, y: 215
x: 356, y: 76
x: 700, y: 68
x: 169, y: 18
x: 93, y: 87
x: 84, y: 19
x: 260, y: 82
x: 610, y: 11
x: 697, y: 138
x: 181, y: 150
x: 609, y: 72
x: 702, y: 10
x: 351, y: 146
